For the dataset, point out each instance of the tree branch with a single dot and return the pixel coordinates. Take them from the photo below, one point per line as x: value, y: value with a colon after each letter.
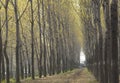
x: 23, y: 11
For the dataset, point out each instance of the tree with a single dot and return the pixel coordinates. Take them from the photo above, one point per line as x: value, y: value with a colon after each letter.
x: 40, y: 37
x: 6, y: 41
x: 1, y: 55
x: 17, y: 40
x: 44, y: 38
x: 114, y: 29
x: 32, y: 38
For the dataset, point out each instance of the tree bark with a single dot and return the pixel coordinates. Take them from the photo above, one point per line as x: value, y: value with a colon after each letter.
x: 32, y: 39
x: 1, y: 55
x: 6, y: 41
x: 114, y: 28
x: 44, y: 38
x: 17, y: 41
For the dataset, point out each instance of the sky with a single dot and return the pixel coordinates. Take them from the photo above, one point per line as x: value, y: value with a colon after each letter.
x: 82, y: 57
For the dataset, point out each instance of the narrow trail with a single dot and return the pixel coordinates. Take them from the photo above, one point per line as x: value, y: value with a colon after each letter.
x: 75, y: 76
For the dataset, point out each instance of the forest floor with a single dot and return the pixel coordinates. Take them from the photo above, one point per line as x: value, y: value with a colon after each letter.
x: 74, y: 76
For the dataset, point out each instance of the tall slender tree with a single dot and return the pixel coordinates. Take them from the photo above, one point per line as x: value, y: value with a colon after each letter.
x: 1, y: 55
x: 6, y: 41
x: 32, y: 38
x: 114, y: 29
x: 44, y: 37
x: 15, y: 5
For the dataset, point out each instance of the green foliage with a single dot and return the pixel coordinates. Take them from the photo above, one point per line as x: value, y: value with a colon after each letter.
x: 11, y: 81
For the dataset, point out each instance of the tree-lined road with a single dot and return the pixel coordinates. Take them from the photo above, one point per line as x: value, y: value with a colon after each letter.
x: 45, y: 37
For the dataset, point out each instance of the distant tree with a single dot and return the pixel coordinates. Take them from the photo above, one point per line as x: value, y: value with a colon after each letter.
x: 1, y: 55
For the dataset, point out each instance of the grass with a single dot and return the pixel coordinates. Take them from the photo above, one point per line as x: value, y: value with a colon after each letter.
x: 11, y: 81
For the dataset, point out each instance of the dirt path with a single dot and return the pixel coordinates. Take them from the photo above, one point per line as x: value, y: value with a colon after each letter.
x: 75, y: 76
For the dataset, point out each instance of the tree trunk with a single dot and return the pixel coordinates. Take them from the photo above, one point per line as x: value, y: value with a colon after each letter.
x: 40, y: 37
x: 32, y: 39
x: 44, y: 37
x: 3, y: 68
x: 17, y: 41
x: 1, y: 55
x: 114, y: 28
x: 5, y: 45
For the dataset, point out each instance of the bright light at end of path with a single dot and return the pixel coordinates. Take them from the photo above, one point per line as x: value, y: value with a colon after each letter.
x: 82, y: 57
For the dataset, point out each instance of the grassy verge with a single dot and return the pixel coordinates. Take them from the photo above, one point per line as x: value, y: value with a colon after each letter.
x: 11, y: 81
